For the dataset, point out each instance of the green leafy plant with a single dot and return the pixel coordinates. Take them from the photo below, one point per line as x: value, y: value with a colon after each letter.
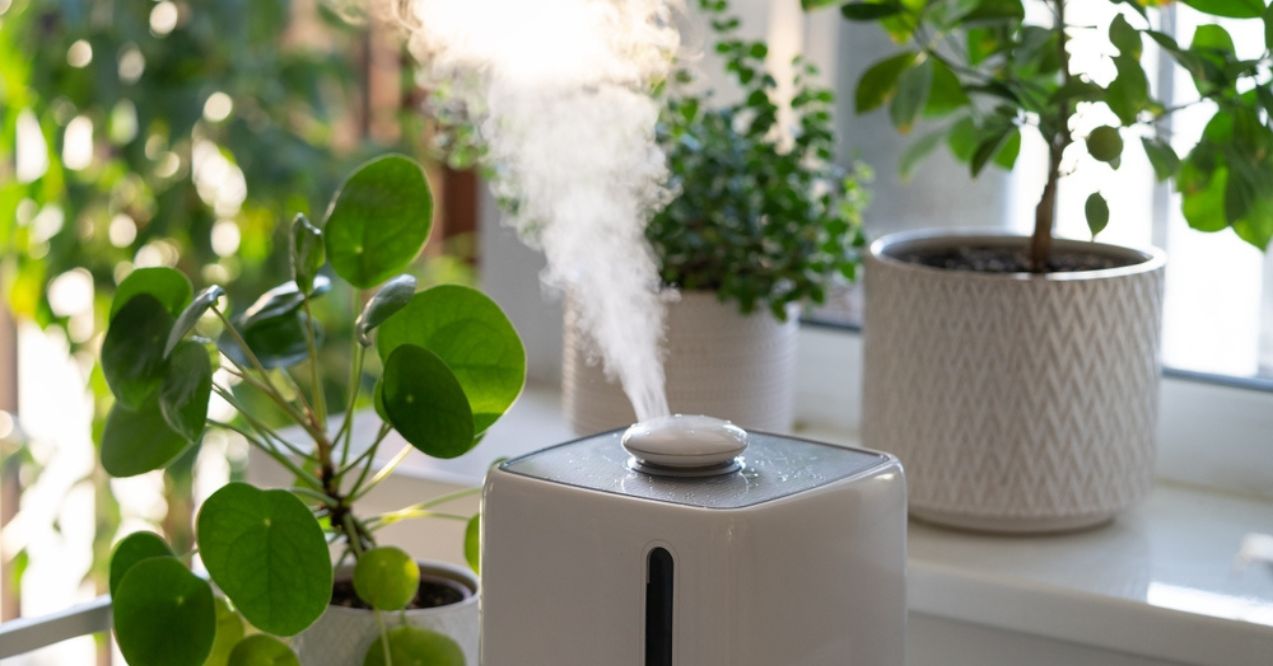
x: 762, y: 215
x: 452, y: 364
x: 995, y: 74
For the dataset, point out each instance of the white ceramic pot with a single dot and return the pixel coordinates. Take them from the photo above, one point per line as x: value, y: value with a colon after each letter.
x: 718, y: 362
x: 1016, y: 402
x: 342, y: 636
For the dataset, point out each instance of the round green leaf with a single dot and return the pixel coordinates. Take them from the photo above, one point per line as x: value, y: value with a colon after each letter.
x: 190, y: 316
x: 386, y: 578
x: 379, y: 221
x: 266, y: 551
x: 229, y: 632
x: 426, y: 404
x: 187, y: 386
x: 164, y: 615
x: 470, y: 333
x: 413, y: 646
x: 136, y: 441
x: 307, y: 252
x: 133, y: 352
x: 1105, y: 144
x: 1097, y: 213
x: 263, y: 650
x: 277, y: 342
x: 473, y: 543
x: 393, y: 296
x: 166, y: 285
x: 131, y: 550
x: 282, y: 301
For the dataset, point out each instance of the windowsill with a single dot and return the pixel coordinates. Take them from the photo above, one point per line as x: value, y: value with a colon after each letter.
x: 1164, y: 581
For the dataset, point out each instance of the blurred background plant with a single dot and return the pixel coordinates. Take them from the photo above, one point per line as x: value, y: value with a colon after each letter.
x: 178, y: 134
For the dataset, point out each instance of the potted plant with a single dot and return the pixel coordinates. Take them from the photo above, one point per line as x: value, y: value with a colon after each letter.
x: 1017, y: 378
x: 451, y: 364
x: 761, y: 220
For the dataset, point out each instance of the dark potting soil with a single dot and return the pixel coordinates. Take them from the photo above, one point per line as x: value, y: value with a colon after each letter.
x: 431, y: 594
x: 996, y: 259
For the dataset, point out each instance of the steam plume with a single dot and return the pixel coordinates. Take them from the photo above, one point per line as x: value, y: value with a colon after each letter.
x: 561, y: 89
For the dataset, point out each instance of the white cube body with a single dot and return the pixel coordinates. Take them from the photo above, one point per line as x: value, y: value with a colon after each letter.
x: 814, y: 578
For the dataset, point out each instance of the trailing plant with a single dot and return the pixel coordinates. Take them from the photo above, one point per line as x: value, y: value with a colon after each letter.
x: 982, y: 64
x: 451, y: 364
x: 762, y: 214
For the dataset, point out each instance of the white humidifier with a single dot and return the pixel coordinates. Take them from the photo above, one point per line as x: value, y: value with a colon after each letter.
x: 686, y: 541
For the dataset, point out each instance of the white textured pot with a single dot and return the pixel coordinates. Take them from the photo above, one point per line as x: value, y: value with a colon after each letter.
x: 342, y: 635
x: 718, y: 362
x: 1016, y: 402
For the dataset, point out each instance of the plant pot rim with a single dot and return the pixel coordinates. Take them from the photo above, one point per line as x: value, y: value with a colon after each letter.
x: 884, y: 249
x: 450, y: 572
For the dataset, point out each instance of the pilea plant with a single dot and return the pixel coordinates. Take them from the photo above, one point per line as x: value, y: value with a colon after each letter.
x: 762, y: 215
x: 982, y: 63
x: 451, y: 365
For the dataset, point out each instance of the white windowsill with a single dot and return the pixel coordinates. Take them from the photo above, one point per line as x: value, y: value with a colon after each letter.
x: 1165, y: 581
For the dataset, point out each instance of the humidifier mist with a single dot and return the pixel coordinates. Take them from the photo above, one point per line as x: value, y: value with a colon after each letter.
x: 560, y: 92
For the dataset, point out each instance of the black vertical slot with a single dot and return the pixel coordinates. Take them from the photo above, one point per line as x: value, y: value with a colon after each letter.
x: 658, y: 609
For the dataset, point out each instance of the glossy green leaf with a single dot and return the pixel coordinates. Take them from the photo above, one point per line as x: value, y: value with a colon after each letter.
x: 277, y: 342
x: 282, y: 300
x: 262, y: 650
x: 133, y: 352
x: 136, y: 441
x: 266, y: 551
x: 473, y: 543
x: 379, y: 221
x: 1212, y: 37
x: 386, y: 578
x: 1006, y: 158
x: 1204, y: 208
x: 1256, y: 227
x: 996, y: 11
x: 1105, y: 144
x: 414, y: 646
x: 1240, y: 192
x: 962, y: 139
x: 869, y: 11
x: 190, y: 316
x: 1161, y: 156
x: 1228, y: 8
x: 1268, y: 27
x: 912, y: 94
x: 426, y: 404
x: 229, y: 632
x: 1128, y: 93
x: 131, y: 550
x: 991, y: 141
x: 1124, y: 37
x: 168, y: 286
x: 389, y: 299
x: 164, y: 615
x: 946, y: 94
x: 307, y: 252
x: 1097, y: 211
x: 472, y: 336
x: 879, y: 83
x: 187, y: 386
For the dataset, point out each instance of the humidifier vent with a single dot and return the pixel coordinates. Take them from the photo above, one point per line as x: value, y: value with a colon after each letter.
x: 685, y: 446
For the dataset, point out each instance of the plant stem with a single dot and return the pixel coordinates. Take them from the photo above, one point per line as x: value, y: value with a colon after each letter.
x: 315, y: 378
x: 382, y: 473
x: 422, y: 509
x: 264, y: 430
x: 273, y: 453
x: 370, y: 457
x: 347, y: 425
x: 1059, y: 138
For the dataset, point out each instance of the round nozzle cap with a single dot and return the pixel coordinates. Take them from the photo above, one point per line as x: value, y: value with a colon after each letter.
x: 685, y: 445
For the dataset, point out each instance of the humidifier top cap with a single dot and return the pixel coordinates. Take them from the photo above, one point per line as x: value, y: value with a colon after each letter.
x: 684, y: 442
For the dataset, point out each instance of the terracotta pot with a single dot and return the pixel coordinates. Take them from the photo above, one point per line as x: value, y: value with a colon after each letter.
x: 342, y: 635
x: 1016, y: 402
x: 718, y: 362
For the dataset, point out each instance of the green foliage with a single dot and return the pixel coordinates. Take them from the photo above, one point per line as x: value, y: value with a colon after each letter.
x: 262, y: 650
x: 164, y: 615
x: 452, y: 364
x: 132, y: 549
x: 386, y: 578
x: 981, y: 63
x: 229, y: 632
x: 413, y: 646
x: 762, y: 215
x: 379, y: 221
x: 473, y: 543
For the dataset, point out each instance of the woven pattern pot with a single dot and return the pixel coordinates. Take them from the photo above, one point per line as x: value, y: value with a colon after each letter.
x: 718, y: 362
x: 342, y: 635
x: 1017, y: 403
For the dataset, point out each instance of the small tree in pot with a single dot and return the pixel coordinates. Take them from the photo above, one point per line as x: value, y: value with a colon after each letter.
x: 762, y: 219
x: 1028, y: 401
x: 451, y: 364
